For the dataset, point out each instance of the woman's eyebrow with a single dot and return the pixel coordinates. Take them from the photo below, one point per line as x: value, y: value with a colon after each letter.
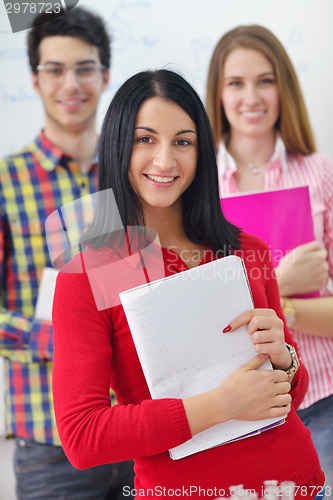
x: 267, y: 73
x: 148, y: 129
x: 232, y: 77
x: 152, y: 131
x: 241, y: 77
x: 186, y: 131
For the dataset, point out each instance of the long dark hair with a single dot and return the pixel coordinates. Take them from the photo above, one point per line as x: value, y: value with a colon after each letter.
x: 204, y: 222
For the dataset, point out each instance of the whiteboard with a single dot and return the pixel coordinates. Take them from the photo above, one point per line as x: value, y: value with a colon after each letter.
x: 179, y: 35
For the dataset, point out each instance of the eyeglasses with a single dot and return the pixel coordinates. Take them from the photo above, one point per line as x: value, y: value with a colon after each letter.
x: 85, y: 73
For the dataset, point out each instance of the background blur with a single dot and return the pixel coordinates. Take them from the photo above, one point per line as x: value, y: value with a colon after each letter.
x: 178, y: 35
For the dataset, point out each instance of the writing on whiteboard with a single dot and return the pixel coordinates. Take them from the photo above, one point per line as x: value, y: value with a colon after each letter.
x: 19, y: 96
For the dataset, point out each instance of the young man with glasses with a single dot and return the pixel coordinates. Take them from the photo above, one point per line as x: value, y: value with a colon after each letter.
x: 69, y: 58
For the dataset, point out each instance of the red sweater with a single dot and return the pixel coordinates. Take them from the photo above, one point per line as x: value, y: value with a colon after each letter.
x: 93, y: 350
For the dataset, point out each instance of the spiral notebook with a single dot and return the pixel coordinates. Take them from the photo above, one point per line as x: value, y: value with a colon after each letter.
x: 177, y: 327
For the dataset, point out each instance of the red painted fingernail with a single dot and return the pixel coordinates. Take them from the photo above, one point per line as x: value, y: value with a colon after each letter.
x: 227, y: 329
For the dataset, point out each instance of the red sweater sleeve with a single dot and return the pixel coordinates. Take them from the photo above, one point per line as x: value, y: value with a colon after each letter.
x: 91, y: 431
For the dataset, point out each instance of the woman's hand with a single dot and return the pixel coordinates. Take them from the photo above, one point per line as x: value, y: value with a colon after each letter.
x: 248, y: 393
x: 303, y: 270
x: 267, y: 335
x: 256, y: 394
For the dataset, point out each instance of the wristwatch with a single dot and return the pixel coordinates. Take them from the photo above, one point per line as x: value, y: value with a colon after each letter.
x: 288, y: 311
x: 295, y: 362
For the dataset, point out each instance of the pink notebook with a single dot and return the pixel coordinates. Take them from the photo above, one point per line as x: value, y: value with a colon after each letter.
x: 281, y: 217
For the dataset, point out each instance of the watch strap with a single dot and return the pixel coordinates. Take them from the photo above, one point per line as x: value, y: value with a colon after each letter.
x: 295, y: 361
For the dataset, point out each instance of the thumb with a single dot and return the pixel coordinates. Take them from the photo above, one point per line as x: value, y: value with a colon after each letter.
x: 255, y: 362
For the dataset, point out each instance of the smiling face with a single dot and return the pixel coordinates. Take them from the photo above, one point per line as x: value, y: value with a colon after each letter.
x: 69, y: 105
x: 164, y: 155
x: 250, y: 95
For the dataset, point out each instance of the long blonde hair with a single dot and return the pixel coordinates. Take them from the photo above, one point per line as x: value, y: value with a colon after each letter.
x: 293, y: 122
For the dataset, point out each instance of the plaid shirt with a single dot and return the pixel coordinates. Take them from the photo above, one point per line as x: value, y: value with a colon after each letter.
x: 33, y: 183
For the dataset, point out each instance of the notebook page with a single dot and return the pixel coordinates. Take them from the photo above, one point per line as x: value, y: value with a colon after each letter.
x: 176, y: 324
x: 46, y: 290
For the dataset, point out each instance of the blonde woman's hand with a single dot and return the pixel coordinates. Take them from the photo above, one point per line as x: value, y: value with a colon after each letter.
x: 303, y: 270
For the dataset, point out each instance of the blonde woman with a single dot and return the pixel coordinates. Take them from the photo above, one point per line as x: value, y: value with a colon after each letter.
x: 264, y: 140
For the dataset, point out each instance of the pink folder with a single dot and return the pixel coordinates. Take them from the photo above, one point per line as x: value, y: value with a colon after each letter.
x: 281, y: 217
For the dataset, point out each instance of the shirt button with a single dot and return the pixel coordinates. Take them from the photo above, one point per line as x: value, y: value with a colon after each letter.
x: 22, y: 443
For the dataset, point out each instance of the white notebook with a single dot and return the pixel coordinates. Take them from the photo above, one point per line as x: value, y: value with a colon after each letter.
x: 177, y: 326
x: 46, y: 291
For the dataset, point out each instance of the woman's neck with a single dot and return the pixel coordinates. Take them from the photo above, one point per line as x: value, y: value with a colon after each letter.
x: 168, y: 222
x: 251, y: 149
x: 251, y: 155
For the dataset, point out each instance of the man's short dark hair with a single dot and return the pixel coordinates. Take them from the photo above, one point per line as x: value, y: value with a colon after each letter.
x: 77, y: 23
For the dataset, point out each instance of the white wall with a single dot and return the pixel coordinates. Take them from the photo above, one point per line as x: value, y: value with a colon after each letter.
x: 180, y: 35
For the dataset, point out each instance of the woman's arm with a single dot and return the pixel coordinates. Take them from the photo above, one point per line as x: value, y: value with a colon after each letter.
x: 314, y: 316
x: 248, y: 393
x: 305, y: 270
x: 91, y: 431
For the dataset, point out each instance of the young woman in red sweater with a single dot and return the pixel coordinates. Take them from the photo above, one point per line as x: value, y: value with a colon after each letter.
x: 156, y: 153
